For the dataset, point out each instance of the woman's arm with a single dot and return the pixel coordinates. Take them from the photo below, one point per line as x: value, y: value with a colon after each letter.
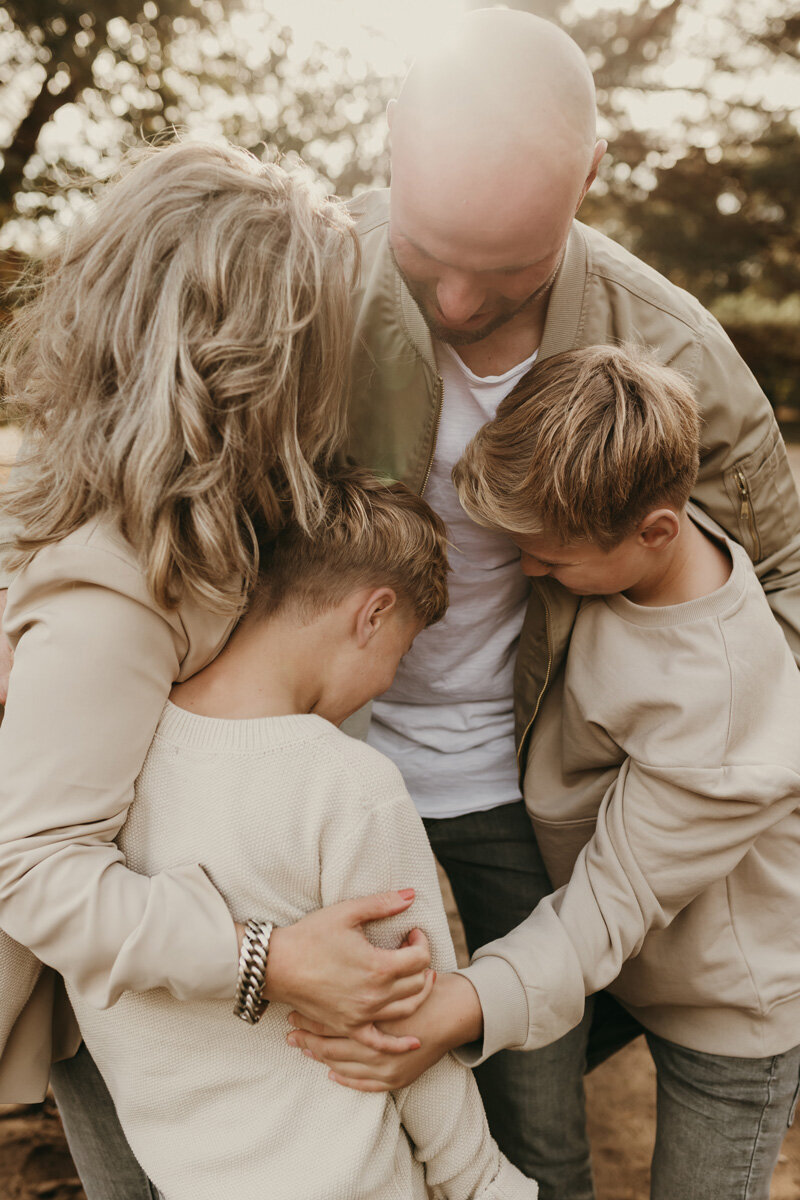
x: 95, y: 663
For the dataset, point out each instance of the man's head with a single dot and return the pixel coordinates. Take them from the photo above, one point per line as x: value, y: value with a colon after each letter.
x: 493, y: 149
x: 360, y: 588
x: 588, y: 466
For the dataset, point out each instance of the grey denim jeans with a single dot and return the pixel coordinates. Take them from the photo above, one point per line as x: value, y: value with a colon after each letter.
x: 100, y: 1151
x: 720, y: 1120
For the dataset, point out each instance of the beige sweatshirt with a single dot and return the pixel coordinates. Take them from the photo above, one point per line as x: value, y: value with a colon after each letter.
x: 664, y: 785
x: 284, y: 814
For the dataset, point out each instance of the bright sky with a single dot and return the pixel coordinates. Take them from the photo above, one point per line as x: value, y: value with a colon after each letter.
x: 383, y: 33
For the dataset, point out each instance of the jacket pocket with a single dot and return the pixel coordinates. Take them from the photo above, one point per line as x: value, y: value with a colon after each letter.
x: 761, y: 492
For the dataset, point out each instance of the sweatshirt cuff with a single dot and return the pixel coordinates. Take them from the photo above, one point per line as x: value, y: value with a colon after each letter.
x: 510, y: 1184
x: 505, y: 1009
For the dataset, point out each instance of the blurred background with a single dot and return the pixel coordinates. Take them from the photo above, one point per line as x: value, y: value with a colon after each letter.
x: 699, y: 100
x: 700, y: 103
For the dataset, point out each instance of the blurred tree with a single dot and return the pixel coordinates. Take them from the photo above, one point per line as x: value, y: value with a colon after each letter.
x: 113, y: 72
x: 699, y: 103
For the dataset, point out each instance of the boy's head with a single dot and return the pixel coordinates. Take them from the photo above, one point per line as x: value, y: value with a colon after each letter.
x: 588, y: 466
x: 361, y: 586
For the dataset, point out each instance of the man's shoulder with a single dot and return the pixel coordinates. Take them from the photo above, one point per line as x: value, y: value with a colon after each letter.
x: 612, y: 267
x: 369, y: 210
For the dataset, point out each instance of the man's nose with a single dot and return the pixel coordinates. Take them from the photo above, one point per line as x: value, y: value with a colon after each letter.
x: 459, y: 296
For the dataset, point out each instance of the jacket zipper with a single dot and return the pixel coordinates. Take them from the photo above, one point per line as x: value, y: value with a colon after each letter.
x: 746, y: 510
x: 439, y: 394
x: 548, y: 634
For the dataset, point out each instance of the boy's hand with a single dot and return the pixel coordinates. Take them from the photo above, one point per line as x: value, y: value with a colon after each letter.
x: 324, y: 967
x: 450, y: 1017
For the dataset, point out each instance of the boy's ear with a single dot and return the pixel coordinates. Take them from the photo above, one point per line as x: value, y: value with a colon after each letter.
x: 373, y: 612
x: 658, y: 529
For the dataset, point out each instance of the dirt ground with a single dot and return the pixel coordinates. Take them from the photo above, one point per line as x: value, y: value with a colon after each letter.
x: 35, y: 1163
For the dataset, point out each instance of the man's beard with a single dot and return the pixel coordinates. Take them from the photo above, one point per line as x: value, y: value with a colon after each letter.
x: 455, y: 337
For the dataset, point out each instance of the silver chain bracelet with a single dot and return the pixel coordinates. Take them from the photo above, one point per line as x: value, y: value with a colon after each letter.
x: 250, y: 1003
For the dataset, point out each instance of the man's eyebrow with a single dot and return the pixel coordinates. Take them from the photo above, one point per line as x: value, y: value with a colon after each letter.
x: 489, y: 271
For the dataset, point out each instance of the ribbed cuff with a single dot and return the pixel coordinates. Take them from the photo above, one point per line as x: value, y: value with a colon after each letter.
x: 510, y: 1184
x: 505, y: 1009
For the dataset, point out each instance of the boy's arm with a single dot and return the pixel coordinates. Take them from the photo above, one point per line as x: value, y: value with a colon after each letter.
x: 442, y: 1111
x: 663, y: 835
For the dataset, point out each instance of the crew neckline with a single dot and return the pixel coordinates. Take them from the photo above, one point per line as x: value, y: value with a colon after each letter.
x: 186, y: 728
x: 513, y: 373
x: 714, y: 604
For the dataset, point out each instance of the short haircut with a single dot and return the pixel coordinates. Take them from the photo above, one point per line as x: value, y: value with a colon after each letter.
x: 586, y: 444
x: 373, y: 533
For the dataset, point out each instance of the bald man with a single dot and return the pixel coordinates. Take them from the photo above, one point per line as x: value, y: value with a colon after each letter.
x: 474, y: 266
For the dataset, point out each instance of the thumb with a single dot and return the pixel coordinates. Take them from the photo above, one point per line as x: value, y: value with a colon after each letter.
x: 376, y: 907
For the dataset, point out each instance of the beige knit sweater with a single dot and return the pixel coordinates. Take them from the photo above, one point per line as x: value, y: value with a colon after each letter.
x: 285, y: 814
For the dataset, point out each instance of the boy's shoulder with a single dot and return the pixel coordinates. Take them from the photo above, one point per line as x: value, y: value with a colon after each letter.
x: 371, y: 779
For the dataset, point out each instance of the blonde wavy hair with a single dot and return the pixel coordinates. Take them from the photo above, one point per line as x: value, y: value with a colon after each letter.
x: 181, y: 369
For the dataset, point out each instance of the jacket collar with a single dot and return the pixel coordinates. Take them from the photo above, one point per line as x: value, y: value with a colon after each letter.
x: 564, y: 312
x: 414, y: 324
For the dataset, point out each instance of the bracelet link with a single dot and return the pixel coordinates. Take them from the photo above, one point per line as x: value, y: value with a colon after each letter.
x: 250, y: 1004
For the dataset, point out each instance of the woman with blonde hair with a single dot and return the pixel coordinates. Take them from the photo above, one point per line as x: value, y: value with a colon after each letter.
x: 181, y: 380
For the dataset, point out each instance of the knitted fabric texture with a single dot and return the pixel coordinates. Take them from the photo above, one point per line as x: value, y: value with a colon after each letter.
x: 285, y: 814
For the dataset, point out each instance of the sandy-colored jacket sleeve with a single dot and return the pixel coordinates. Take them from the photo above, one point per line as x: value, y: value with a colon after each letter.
x: 745, y: 481
x: 442, y: 1111
x: 94, y: 662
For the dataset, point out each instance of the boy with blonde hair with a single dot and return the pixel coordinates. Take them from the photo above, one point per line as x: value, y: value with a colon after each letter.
x: 212, y: 1107
x: 663, y: 779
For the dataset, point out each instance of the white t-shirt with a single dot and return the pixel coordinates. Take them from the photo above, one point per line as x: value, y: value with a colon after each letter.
x: 448, y: 721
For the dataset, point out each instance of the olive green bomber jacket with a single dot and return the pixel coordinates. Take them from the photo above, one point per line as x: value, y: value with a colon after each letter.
x: 602, y: 294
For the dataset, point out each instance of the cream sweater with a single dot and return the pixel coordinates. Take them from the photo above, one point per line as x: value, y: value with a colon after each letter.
x: 664, y: 786
x: 285, y: 814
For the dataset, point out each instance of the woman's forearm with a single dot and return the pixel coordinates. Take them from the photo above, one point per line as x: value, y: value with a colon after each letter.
x: 94, y: 665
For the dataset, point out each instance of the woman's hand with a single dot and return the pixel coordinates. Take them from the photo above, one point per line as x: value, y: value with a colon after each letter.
x: 324, y: 966
x: 450, y: 1017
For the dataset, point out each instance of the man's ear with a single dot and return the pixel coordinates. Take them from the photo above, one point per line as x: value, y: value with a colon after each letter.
x: 373, y: 612
x: 658, y: 529
x: 599, y: 153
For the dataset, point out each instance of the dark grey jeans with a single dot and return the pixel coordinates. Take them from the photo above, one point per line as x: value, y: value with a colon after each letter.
x: 104, y: 1160
x: 720, y: 1120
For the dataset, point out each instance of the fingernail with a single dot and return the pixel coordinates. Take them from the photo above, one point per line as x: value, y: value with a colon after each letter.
x: 291, y: 1039
x: 309, y: 1054
x: 407, y: 893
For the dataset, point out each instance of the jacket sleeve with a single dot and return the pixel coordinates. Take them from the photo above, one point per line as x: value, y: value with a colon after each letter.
x: 745, y: 482
x: 94, y: 664
x: 441, y: 1111
x: 634, y: 875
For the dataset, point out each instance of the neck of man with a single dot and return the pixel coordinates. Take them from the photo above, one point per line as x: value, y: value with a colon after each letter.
x: 509, y: 345
x: 691, y: 566
x: 270, y: 667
